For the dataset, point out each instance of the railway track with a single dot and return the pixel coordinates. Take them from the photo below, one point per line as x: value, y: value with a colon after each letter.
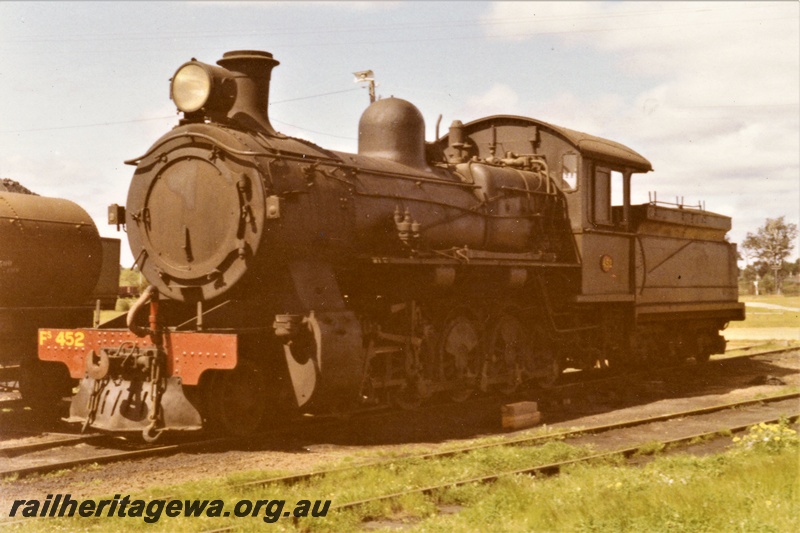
x: 611, y: 382
x: 48, y: 442
x: 552, y: 468
x: 12, y: 404
x: 111, y: 449
x: 534, y: 440
x: 629, y: 451
x: 105, y: 455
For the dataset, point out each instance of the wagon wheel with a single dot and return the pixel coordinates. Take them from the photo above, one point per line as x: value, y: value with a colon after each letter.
x: 42, y: 385
x: 459, y: 356
x: 236, y: 400
x: 508, y: 346
x: 703, y: 350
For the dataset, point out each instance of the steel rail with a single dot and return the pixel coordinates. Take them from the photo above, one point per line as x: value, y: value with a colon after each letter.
x: 19, y: 449
x: 112, y: 457
x: 154, y: 451
x: 552, y: 468
x: 604, y: 380
x: 13, y: 403
x: 295, y: 478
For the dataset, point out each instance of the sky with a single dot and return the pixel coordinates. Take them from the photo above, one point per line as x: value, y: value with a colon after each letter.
x: 708, y: 92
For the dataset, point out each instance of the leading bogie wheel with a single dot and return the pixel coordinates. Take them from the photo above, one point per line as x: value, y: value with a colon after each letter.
x: 236, y: 400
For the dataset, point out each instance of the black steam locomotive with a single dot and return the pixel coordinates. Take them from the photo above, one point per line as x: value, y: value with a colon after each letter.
x: 289, y: 278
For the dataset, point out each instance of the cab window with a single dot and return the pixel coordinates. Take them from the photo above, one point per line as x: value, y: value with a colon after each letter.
x: 617, y: 188
x: 602, y: 196
x: 569, y: 172
x: 608, y: 187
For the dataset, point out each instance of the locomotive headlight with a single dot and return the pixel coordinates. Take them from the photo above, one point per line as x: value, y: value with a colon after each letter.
x: 191, y: 87
x: 197, y: 86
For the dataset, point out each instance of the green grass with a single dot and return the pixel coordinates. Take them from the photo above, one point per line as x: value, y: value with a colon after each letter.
x: 107, y: 315
x: 751, y: 487
x: 673, y: 494
x: 758, y: 317
x: 768, y: 318
x: 786, y: 301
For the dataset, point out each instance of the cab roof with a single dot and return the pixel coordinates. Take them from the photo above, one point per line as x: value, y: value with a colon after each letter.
x: 590, y: 146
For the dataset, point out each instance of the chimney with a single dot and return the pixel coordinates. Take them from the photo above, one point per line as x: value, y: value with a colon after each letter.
x: 252, y: 90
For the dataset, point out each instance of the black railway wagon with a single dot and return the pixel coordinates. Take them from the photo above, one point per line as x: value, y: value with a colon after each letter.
x: 55, y: 270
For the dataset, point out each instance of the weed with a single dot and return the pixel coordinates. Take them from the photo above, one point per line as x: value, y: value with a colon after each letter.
x: 651, y: 448
x: 771, y: 438
x: 700, y: 439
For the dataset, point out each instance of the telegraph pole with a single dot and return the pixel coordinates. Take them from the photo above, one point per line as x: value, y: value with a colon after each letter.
x: 777, y: 265
x: 366, y: 76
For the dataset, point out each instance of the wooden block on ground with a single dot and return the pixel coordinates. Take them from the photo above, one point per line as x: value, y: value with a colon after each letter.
x: 520, y: 415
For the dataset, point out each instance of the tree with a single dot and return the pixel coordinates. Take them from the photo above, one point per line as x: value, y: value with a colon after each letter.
x: 771, y: 245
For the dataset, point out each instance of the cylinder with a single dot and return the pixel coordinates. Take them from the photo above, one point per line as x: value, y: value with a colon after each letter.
x: 50, y: 252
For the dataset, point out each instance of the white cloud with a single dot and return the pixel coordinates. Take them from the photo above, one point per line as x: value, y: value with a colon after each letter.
x: 718, y: 115
x: 355, y: 5
x: 712, y: 54
x: 498, y: 99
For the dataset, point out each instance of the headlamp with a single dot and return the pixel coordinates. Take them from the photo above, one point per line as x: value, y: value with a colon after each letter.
x: 191, y: 87
x: 196, y: 86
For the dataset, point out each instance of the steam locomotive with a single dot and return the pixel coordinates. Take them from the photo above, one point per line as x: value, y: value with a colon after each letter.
x: 287, y: 278
x: 55, y: 270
